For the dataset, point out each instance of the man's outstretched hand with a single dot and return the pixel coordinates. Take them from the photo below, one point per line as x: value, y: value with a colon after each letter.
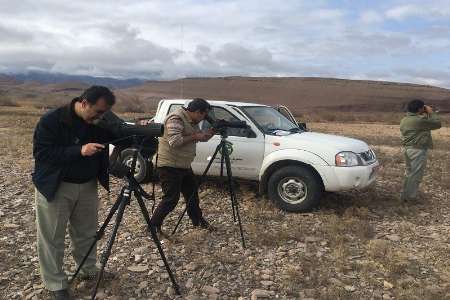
x: 91, y: 149
x: 202, y: 136
x: 428, y: 109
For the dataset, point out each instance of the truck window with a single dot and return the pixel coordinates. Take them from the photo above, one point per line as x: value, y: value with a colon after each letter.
x: 173, y: 108
x: 220, y: 113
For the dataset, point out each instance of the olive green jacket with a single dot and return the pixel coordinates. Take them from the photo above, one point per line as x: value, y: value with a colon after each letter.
x: 182, y: 156
x: 416, y: 130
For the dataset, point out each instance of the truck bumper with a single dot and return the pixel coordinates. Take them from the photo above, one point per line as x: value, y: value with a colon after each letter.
x: 347, y: 178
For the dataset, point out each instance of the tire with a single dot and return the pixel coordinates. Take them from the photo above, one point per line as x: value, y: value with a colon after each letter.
x: 142, y: 166
x: 295, y: 189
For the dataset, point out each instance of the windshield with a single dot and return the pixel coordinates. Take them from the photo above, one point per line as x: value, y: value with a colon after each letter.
x: 269, y: 120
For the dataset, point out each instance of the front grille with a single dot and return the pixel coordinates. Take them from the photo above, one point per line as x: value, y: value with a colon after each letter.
x: 368, y: 156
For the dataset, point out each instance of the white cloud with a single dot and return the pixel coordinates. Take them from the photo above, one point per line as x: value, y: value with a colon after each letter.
x: 428, y: 81
x: 328, y: 14
x: 404, y: 11
x: 370, y: 16
x: 169, y: 39
x: 426, y: 75
x: 427, y: 9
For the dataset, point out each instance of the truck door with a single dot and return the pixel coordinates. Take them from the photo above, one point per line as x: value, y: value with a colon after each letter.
x: 247, y: 153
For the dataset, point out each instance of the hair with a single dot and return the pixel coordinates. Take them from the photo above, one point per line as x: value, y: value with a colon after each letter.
x: 96, y: 92
x: 198, y: 104
x: 415, y: 105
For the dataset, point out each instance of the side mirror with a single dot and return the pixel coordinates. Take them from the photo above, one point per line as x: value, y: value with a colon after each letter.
x: 303, y: 126
x: 249, y: 133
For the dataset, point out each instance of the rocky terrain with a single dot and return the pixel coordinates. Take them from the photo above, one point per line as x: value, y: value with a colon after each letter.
x: 356, y: 245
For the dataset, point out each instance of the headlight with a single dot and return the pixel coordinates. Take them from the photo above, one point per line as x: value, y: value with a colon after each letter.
x: 347, y: 159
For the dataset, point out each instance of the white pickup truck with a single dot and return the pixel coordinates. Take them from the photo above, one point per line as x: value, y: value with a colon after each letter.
x: 292, y: 165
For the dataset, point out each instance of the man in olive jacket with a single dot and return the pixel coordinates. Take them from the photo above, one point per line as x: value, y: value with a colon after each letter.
x: 416, y: 129
x: 176, y: 151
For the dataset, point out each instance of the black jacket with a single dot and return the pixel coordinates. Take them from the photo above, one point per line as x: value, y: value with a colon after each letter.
x: 55, y: 145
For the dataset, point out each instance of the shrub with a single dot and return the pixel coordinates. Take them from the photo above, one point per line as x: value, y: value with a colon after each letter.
x: 6, y: 101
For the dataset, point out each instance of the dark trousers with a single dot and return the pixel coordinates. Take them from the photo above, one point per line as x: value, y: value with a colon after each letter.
x: 173, y: 182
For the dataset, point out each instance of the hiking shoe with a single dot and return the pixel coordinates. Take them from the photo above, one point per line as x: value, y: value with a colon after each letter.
x: 87, y: 276
x: 61, y: 295
x: 203, y: 224
x: 160, y: 234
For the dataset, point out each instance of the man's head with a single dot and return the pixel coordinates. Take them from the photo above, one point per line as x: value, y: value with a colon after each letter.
x: 416, y: 106
x: 198, y: 109
x: 94, y: 102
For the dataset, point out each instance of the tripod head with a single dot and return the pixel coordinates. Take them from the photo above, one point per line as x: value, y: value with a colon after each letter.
x: 222, y: 126
x: 133, y: 163
x: 132, y: 182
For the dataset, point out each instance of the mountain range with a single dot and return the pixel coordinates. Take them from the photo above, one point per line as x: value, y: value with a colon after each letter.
x: 49, y: 78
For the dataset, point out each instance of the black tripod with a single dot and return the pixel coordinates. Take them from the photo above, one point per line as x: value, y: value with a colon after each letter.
x: 225, y: 152
x: 131, y: 188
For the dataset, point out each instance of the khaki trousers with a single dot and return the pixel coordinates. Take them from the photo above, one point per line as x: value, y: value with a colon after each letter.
x: 76, y: 204
x: 416, y: 162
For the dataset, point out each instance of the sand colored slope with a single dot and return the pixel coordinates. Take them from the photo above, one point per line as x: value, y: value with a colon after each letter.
x: 294, y: 92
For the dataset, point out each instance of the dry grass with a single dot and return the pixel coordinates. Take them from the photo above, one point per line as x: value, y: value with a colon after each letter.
x: 52, y: 98
x: 390, y: 259
x: 379, y: 134
x: 343, y: 243
x: 194, y: 240
x: 379, y: 249
x: 348, y: 226
x: 355, y: 117
x: 7, y: 102
x: 225, y: 258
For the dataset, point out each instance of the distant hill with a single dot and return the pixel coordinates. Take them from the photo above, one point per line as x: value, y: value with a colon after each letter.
x: 297, y: 92
x: 50, y: 78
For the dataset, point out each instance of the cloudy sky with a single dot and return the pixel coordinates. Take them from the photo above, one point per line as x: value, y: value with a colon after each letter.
x: 406, y: 41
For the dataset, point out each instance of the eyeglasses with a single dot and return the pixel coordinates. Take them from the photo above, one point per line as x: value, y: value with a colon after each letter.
x: 100, y: 112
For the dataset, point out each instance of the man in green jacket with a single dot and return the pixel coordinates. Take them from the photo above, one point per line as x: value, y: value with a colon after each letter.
x: 416, y: 128
x: 176, y: 152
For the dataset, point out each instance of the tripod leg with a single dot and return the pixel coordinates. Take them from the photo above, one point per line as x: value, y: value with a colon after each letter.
x: 99, y: 234
x: 105, y: 256
x: 233, y: 208
x: 201, y: 180
x: 222, y: 158
x: 179, y: 220
x: 234, y: 201
x: 157, y: 242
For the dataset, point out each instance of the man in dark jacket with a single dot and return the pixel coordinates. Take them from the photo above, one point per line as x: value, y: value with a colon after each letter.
x: 69, y: 160
x: 416, y: 128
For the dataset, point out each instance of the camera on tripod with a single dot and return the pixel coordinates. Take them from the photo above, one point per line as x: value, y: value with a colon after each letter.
x: 142, y: 137
x: 221, y: 126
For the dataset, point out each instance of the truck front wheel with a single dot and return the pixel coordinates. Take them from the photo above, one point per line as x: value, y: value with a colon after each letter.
x: 294, y: 188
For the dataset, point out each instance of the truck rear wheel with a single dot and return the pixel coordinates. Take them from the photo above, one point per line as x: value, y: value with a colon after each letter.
x: 294, y: 188
x: 142, y: 167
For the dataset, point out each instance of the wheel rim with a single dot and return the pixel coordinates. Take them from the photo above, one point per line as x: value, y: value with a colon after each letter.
x: 292, y: 190
x: 129, y: 162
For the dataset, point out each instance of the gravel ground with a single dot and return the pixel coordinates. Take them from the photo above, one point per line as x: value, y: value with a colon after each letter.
x: 356, y: 245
